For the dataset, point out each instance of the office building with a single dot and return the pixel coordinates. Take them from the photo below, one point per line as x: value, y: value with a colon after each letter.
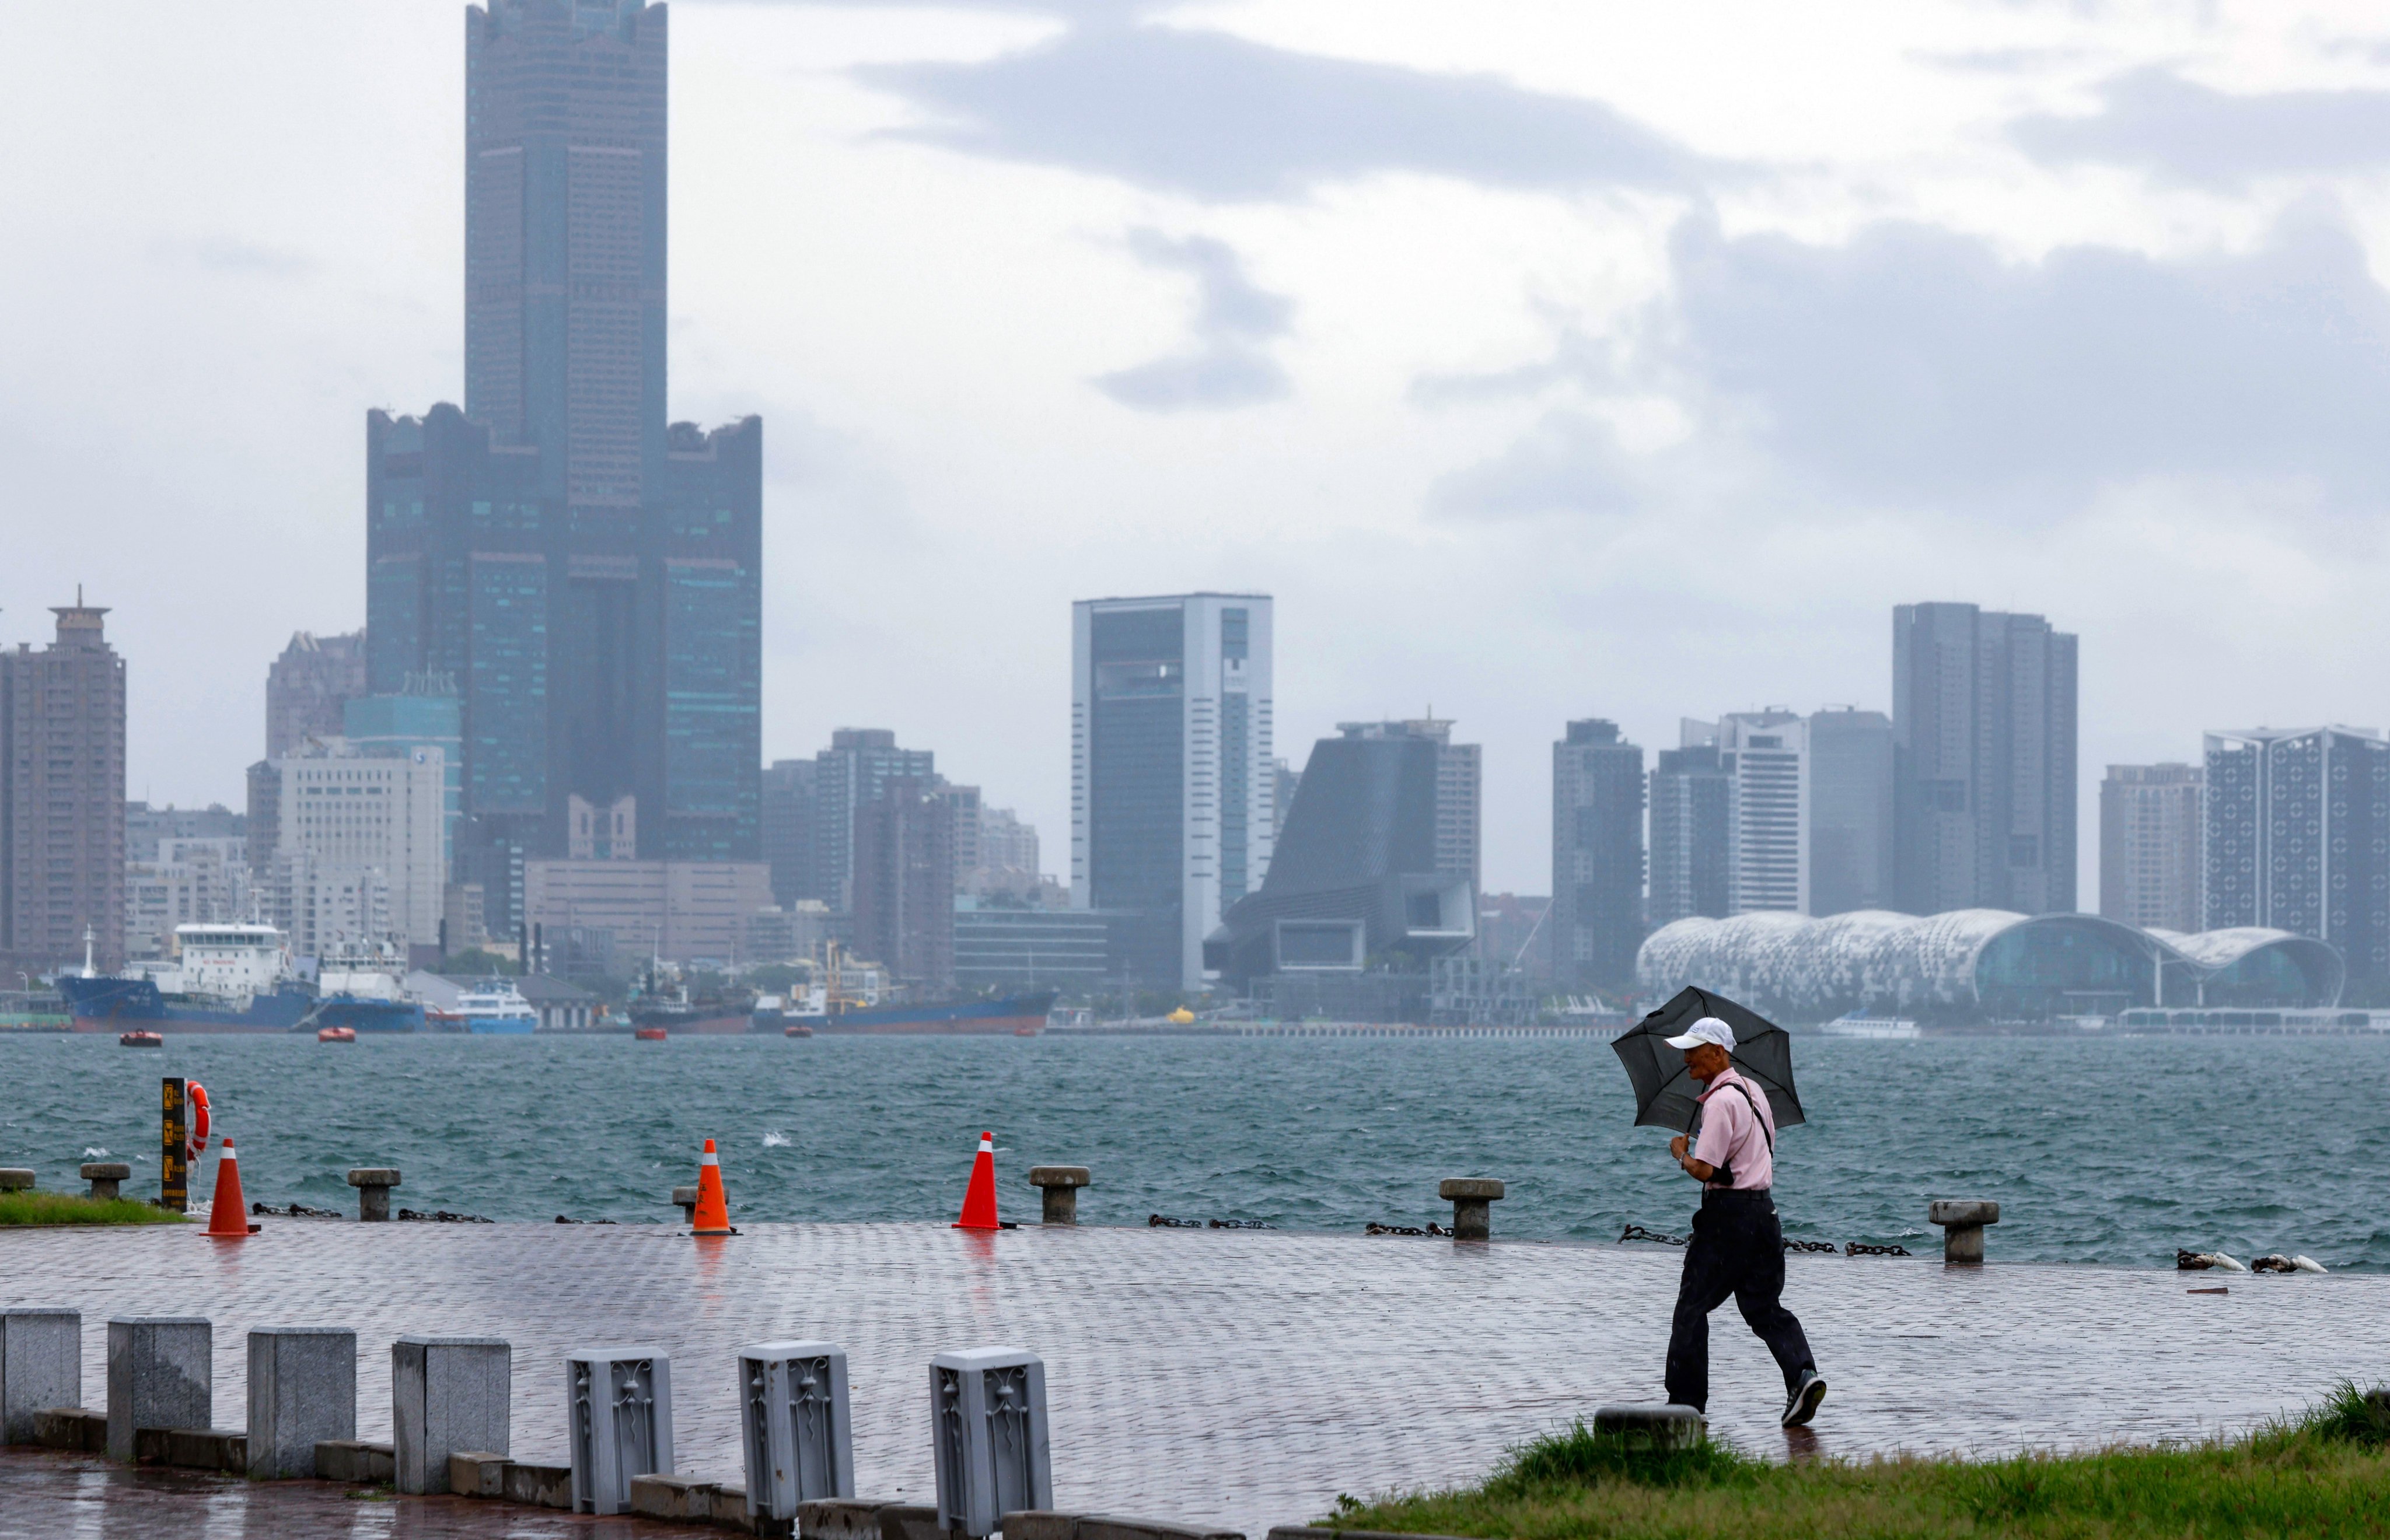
x: 1984, y: 736
x: 344, y: 811
x: 1851, y: 825
x: 858, y: 768
x: 327, y: 908
x: 62, y: 796
x: 1013, y: 948
x: 1007, y: 868
x: 1459, y: 790
x: 424, y: 715
x: 308, y: 687
x: 786, y: 804
x: 183, y: 881
x: 1693, y: 838
x: 678, y: 911
x: 2151, y: 820
x: 147, y: 826
x: 1172, y: 770
x: 904, y: 885
x: 964, y: 813
x: 1766, y: 757
x: 2298, y: 839
x: 1597, y: 915
x: 585, y: 571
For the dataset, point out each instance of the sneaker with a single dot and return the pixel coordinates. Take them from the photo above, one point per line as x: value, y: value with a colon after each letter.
x: 1803, y: 1404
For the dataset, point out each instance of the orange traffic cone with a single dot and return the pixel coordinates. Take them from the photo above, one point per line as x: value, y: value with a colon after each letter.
x: 978, y: 1199
x: 229, y: 1215
x: 712, y: 1215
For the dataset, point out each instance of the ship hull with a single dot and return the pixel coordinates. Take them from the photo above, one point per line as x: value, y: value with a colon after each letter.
x: 695, y: 1024
x: 121, y: 1005
x: 1007, y: 1014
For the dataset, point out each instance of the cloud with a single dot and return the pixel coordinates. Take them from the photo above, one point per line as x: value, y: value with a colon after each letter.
x: 1570, y: 462
x: 1225, y: 364
x: 2181, y: 130
x: 1223, y: 119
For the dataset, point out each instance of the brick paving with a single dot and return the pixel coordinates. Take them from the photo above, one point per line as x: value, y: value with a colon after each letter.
x: 1237, y: 1377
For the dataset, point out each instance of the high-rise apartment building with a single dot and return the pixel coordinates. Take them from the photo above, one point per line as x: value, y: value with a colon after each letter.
x: 1596, y: 914
x: 1765, y: 754
x: 1459, y: 790
x: 309, y: 685
x: 904, y: 884
x: 853, y: 773
x: 1984, y: 734
x: 587, y: 572
x: 1172, y: 819
x: 2152, y: 821
x: 343, y: 812
x: 787, y: 812
x: 1850, y: 824
x: 1693, y: 834
x: 62, y: 796
x: 2298, y: 839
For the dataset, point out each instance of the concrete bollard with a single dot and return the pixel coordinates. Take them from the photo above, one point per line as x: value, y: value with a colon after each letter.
x: 303, y: 1391
x: 161, y: 1374
x: 41, y: 1368
x: 687, y: 1199
x: 1657, y: 1427
x: 618, y: 1401
x: 1962, y: 1220
x: 104, y: 1176
x: 16, y: 1179
x: 1061, y: 1185
x: 449, y: 1393
x: 1471, y: 1197
x: 373, y: 1185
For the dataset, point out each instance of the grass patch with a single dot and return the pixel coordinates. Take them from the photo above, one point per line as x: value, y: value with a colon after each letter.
x: 73, y: 1208
x: 2324, y: 1473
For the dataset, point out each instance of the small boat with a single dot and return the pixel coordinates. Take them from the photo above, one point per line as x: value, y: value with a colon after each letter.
x: 336, y: 1034
x: 650, y: 1035
x: 798, y: 1030
x: 140, y: 1040
x: 1024, y: 1032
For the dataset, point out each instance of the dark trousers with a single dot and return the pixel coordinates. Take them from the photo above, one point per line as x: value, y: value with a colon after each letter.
x: 1736, y: 1248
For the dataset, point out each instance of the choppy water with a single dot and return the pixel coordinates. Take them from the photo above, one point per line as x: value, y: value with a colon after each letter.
x: 2114, y: 1151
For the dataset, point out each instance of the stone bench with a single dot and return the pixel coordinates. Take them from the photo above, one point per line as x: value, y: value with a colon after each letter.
x: 1655, y: 1426
x: 77, y: 1430
x: 358, y: 1463
x: 193, y: 1448
x: 16, y: 1179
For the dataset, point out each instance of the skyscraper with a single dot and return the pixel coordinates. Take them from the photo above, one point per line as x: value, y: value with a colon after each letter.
x: 588, y: 573
x: 1766, y: 756
x: 1693, y: 838
x: 308, y: 687
x: 1596, y: 914
x: 62, y: 796
x: 787, y: 828
x: 2152, y: 823
x: 1984, y: 736
x: 2298, y: 839
x: 1850, y: 810
x: 1460, y: 789
x: 1170, y: 770
x: 904, y: 883
x: 849, y: 776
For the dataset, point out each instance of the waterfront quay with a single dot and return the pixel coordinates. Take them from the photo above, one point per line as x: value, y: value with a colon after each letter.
x: 1236, y: 1379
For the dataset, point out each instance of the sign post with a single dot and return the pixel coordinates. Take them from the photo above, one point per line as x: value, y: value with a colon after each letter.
x: 173, y: 1155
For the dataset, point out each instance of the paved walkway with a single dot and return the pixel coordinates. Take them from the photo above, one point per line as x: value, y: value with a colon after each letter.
x: 1239, y: 1377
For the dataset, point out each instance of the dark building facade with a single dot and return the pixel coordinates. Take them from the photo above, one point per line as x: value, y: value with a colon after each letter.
x: 786, y: 812
x: 62, y: 797
x: 1850, y: 812
x: 904, y: 884
x: 309, y: 686
x: 1598, y: 870
x: 1983, y: 739
x: 856, y: 770
x: 2298, y: 839
x: 1692, y: 835
x: 589, y: 575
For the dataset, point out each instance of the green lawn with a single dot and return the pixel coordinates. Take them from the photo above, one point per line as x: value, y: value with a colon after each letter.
x: 70, y: 1208
x: 2327, y: 1473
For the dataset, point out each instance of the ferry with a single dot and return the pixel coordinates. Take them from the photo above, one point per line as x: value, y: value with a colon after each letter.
x: 223, y: 979
x: 495, y: 1008
x: 1859, y: 1024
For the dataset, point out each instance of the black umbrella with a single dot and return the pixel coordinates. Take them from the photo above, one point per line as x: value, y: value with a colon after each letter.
x: 1665, y: 1091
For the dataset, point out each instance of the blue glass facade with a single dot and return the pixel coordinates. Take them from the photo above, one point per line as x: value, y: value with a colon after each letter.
x: 428, y: 715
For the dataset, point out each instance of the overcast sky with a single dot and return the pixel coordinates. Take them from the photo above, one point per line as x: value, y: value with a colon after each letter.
x: 1544, y: 360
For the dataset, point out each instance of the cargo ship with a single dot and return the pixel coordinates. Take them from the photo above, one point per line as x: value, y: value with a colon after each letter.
x: 1012, y: 1013
x: 227, y: 978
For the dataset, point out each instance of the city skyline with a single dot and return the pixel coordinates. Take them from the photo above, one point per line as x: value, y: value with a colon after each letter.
x: 865, y: 253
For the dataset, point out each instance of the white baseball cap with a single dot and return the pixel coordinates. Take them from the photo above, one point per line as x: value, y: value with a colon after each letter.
x: 1709, y: 1029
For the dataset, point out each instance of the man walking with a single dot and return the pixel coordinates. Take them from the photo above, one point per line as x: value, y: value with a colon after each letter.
x: 1736, y: 1247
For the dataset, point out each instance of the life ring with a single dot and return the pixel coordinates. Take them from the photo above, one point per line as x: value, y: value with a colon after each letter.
x: 196, y: 1124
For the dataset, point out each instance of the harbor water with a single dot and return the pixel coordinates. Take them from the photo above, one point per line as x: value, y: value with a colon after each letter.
x: 2108, y: 1150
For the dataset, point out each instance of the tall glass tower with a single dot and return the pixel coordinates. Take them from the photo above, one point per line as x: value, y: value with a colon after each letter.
x: 1171, y: 784
x: 587, y: 572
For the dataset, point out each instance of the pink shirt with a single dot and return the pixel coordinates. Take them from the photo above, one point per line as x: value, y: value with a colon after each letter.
x: 1733, y: 1136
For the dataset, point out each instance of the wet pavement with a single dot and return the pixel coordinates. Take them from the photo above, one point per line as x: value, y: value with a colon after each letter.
x: 1223, y: 1377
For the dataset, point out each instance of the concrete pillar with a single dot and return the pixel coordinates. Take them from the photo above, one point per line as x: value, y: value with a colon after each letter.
x: 450, y: 1394
x: 373, y: 1185
x: 1471, y: 1217
x: 161, y: 1374
x: 104, y: 1176
x: 1061, y: 1184
x: 16, y: 1179
x: 40, y: 1366
x: 302, y: 1390
x: 687, y: 1199
x: 1962, y: 1220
